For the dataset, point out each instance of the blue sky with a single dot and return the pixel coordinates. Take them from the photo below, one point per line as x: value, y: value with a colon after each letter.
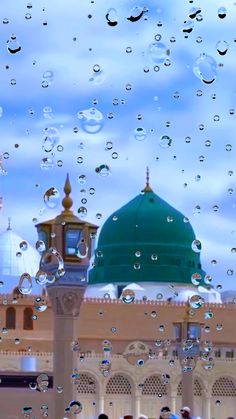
x: 83, y: 63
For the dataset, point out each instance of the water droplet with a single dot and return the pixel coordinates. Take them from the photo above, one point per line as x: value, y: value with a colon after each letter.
x: 194, y: 11
x: 28, y: 16
x: 208, y: 279
x: 42, y: 382
x: 25, y: 284
x: 196, y: 301
x: 13, y: 45
x: 51, y: 198
x: 222, y: 47
x: 109, y: 145
x: 135, y: 14
x: 112, y: 17
x: 103, y: 170
x: 196, y: 246
x: 222, y: 12
x: 40, y: 246
x: 91, y: 120
x: 91, y: 191
x: 205, y: 68
x: 51, y: 139
x: 165, y: 141
x: 140, y: 133
x: 82, y: 249
x: 208, y: 314
x: 228, y: 147
x: 82, y: 211
x: 208, y: 143
x: 158, y: 52
x: 199, y: 40
x: 23, y: 245
x: 82, y: 179
x: 196, y: 278
x: 230, y: 272
x: 47, y: 163
x: 40, y: 304
x: 128, y: 296
x: 188, y: 27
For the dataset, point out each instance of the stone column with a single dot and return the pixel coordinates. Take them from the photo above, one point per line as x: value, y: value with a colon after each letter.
x: 101, y: 404
x: 187, y: 392
x: 66, y: 302
x: 207, y: 407
x: 136, y: 406
x: 173, y: 402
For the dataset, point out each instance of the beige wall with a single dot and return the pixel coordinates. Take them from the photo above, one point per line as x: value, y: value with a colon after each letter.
x: 133, y: 322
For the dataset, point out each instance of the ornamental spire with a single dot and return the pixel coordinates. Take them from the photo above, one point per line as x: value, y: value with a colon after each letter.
x: 147, y: 187
x: 9, y: 224
x: 67, y: 201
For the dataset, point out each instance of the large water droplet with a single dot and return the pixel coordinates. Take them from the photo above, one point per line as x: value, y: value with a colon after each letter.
x: 205, y: 68
x: 188, y: 27
x: 157, y: 52
x: 51, y: 198
x: 140, y: 133
x: 25, y: 284
x: 103, y: 170
x: 13, y: 45
x: 135, y: 14
x: 222, y: 12
x: 91, y: 120
x: 165, y: 141
x: 112, y: 17
x: 48, y: 76
x: 222, y: 47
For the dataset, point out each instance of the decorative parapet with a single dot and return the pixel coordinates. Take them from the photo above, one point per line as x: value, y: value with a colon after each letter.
x: 154, y: 302
x: 23, y: 361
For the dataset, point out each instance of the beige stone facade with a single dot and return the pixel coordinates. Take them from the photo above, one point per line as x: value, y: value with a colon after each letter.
x: 129, y: 388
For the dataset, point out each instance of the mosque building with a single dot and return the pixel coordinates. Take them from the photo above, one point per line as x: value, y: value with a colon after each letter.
x: 123, y: 327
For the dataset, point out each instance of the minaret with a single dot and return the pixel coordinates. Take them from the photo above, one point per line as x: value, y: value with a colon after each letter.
x: 68, y: 239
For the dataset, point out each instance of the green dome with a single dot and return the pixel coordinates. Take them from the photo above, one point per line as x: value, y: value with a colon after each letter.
x: 147, y: 240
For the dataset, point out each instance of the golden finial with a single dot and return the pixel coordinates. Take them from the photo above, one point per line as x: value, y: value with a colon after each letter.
x: 67, y: 201
x: 147, y: 187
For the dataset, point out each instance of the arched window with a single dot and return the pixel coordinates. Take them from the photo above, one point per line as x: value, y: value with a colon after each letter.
x: 153, y: 386
x: 118, y: 384
x: 86, y: 384
x: 11, y: 318
x: 28, y: 319
x: 224, y: 387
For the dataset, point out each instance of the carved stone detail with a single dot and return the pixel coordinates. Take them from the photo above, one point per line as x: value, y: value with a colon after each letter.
x: 66, y: 300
